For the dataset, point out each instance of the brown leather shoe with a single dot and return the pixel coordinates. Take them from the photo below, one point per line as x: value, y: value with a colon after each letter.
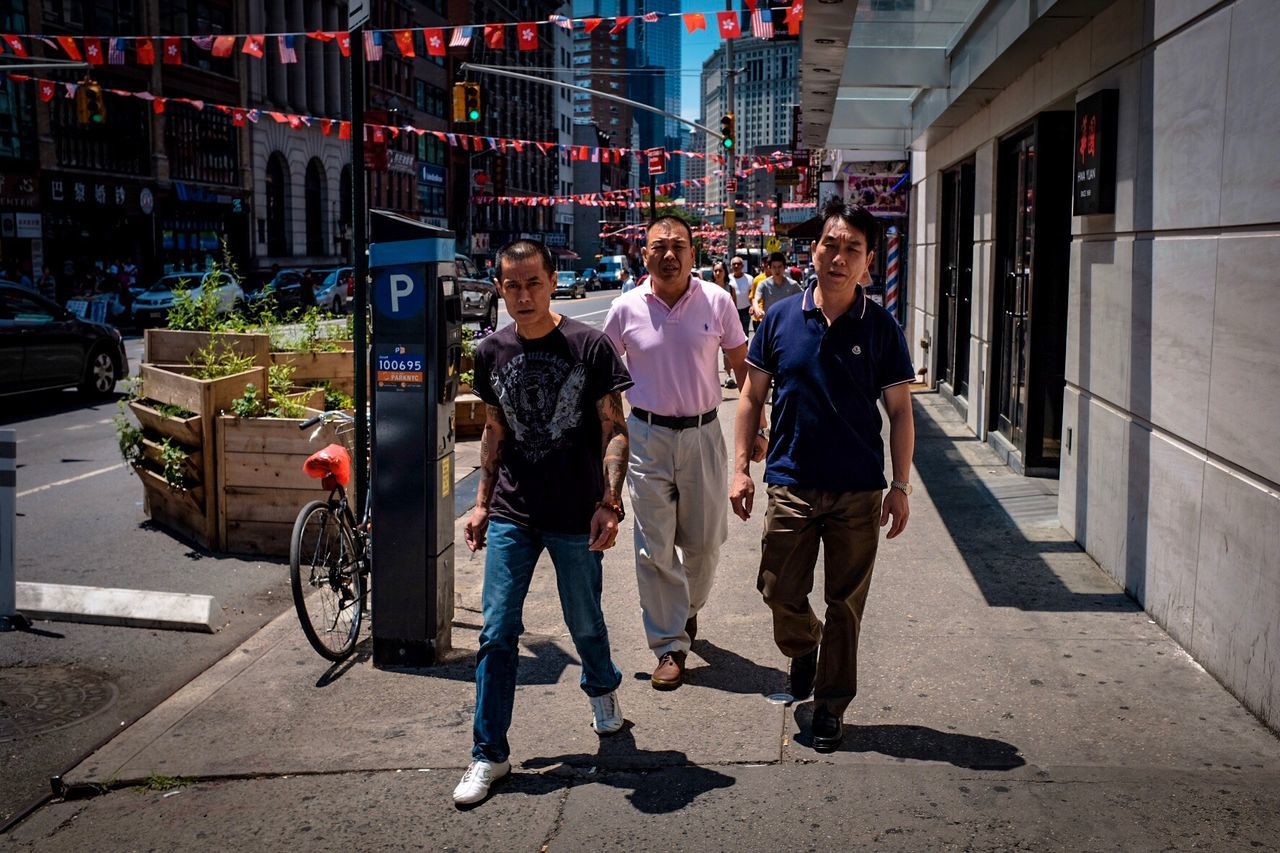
x: 670, y: 672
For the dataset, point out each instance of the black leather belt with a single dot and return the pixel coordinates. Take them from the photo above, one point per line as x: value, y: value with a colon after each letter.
x: 673, y: 422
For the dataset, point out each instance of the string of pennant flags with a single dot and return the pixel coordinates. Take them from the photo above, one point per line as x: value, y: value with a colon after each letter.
x: 115, y: 50
x: 241, y: 116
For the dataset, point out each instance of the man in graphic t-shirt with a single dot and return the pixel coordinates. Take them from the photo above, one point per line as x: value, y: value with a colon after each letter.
x: 554, y: 459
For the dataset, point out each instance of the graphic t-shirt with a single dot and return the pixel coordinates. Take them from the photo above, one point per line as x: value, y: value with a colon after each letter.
x: 551, y: 472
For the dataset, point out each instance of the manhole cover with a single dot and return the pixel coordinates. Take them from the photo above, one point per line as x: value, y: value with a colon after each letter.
x: 38, y: 700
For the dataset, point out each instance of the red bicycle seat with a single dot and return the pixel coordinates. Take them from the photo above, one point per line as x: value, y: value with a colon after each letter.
x: 332, y: 462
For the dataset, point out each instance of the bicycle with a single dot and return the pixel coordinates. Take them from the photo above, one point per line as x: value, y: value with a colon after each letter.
x: 329, y: 557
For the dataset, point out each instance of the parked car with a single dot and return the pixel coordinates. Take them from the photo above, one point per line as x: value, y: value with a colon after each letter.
x: 45, y: 347
x: 283, y: 292
x: 479, y: 295
x: 335, y: 289
x: 590, y: 279
x: 568, y: 284
x: 153, y: 304
x: 610, y: 270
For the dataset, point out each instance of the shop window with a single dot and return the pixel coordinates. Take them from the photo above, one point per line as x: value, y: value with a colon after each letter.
x: 316, y: 206
x: 278, y: 242
x: 202, y: 146
x: 110, y: 147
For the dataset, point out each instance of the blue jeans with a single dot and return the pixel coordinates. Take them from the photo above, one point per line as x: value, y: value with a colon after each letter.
x: 513, y: 551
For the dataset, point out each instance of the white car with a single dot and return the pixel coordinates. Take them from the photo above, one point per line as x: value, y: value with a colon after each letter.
x: 153, y: 304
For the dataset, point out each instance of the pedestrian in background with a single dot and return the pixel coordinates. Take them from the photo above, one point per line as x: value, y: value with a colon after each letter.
x: 828, y: 356
x: 720, y: 278
x: 671, y: 331
x: 741, y: 291
x: 775, y: 288
x: 553, y: 458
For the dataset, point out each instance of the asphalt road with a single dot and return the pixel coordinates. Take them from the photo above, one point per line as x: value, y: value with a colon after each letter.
x: 66, y: 688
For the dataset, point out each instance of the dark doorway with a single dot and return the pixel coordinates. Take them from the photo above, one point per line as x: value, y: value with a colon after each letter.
x: 955, y: 297
x: 1033, y: 242
x: 315, y: 195
x: 277, y: 206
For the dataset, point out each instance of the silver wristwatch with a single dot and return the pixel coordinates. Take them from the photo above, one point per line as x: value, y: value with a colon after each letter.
x: 905, y: 488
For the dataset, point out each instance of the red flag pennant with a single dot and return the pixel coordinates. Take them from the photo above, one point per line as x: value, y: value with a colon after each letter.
x: 620, y: 24
x: 157, y: 106
x: 527, y: 35
x: 404, y: 41
x: 344, y: 43
x: 326, y: 127
x: 255, y: 46
x: 68, y: 44
x: 146, y: 52
x: 172, y: 50
x: 495, y: 36
x: 16, y: 47
x: 238, y: 118
x: 435, y: 41
x: 321, y: 35
x: 695, y: 21
x: 590, y: 24
x: 730, y: 27
x: 344, y: 130
x: 795, y: 14
x: 224, y: 46
x: 93, y: 51
x: 47, y: 88
x: 751, y: 4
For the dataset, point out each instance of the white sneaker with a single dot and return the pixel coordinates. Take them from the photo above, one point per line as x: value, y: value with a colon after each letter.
x: 606, y: 713
x: 475, y: 783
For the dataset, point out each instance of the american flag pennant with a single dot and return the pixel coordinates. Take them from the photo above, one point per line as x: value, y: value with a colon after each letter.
x: 495, y: 36
x: 404, y: 41
x: 650, y: 17
x: 344, y: 43
x: 288, y: 54
x: 435, y: 41
x: 620, y: 24
x: 146, y: 52
x: 461, y: 37
x: 590, y: 24
x: 223, y: 46
x: 561, y: 21
x: 68, y: 44
x: 253, y: 115
x: 203, y: 42
x: 172, y: 50
x: 453, y: 139
x: 373, y: 46
x: 93, y: 51
x: 255, y: 46
x: 115, y: 51
x: 527, y: 36
x: 695, y: 21
x: 762, y: 27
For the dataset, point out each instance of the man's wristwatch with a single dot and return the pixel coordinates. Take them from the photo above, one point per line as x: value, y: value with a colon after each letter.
x: 615, y: 507
x: 905, y: 488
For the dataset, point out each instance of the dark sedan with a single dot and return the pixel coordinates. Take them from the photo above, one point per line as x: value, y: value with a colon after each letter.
x: 45, y: 347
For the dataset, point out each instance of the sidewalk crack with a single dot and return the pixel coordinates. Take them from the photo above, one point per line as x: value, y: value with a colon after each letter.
x: 559, y: 819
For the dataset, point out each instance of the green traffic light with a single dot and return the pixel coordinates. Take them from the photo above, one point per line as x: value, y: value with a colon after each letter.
x: 474, y: 115
x: 728, y: 143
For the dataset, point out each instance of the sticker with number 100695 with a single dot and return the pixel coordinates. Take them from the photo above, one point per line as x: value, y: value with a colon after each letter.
x: 390, y: 363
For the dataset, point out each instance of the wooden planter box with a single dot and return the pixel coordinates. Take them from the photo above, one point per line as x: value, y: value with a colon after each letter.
x: 261, y: 484
x: 337, y: 368
x: 193, y: 466
x: 469, y: 416
x: 174, y: 385
x: 166, y: 346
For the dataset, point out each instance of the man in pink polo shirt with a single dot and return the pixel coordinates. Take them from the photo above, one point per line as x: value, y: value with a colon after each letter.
x: 671, y: 331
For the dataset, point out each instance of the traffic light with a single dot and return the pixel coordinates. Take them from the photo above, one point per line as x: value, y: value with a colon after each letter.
x: 91, y: 104
x: 729, y: 132
x: 730, y: 217
x: 466, y: 102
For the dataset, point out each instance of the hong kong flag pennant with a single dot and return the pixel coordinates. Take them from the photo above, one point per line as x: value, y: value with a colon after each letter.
x: 695, y: 21
x: 173, y: 51
x: 404, y: 41
x: 344, y: 43
x: 16, y: 47
x: 238, y: 118
x: 93, y: 51
x: 528, y: 36
x: 146, y: 52
x: 255, y: 46
x: 435, y: 41
x: 495, y: 36
x: 68, y: 44
x: 730, y: 28
x: 795, y: 14
x: 47, y: 89
x: 590, y: 24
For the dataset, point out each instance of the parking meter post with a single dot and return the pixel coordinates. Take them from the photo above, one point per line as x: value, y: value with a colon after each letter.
x: 10, y: 619
x: 417, y: 349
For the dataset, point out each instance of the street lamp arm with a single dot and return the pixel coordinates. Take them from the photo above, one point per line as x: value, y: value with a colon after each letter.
x: 502, y: 72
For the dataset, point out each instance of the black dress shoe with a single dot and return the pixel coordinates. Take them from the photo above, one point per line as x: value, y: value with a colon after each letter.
x: 803, y: 670
x: 827, y: 731
x: 691, y: 627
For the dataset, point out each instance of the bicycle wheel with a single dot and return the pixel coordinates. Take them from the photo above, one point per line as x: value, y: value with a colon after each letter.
x: 328, y: 587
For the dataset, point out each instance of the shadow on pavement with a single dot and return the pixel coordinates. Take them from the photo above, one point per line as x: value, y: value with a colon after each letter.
x: 1009, y: 568
x: 919, y: 743
x: 731, y: 672
x: 659, y: 781
x: 43, y: 404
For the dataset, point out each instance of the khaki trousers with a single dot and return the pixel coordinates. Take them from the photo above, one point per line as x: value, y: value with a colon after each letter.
x: 848, y: 525
x: 678, y: 483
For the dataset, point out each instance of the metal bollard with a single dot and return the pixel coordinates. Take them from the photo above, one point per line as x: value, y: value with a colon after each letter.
x: 9, y: 618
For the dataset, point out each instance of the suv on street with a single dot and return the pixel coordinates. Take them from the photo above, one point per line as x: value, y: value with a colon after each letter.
x: 479, y: 295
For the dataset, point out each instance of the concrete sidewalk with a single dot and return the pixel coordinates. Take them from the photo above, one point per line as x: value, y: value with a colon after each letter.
x: 1011, y: 697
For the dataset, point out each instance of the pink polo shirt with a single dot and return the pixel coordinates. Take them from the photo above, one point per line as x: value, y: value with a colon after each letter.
x: 673, y: 354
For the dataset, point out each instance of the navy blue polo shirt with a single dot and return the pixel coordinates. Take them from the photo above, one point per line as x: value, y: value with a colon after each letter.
x: 825, y: 432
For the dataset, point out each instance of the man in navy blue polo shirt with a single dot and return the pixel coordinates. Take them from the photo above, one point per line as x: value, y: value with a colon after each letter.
x: 829, y: 353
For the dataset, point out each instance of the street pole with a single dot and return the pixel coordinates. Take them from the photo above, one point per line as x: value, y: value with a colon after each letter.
x: 360, y: 264
x: 653, y: 196
x: 10, y: 618
x: 730, y: 160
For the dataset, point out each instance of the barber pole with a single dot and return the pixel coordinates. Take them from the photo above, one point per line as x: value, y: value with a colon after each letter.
x: 891, y: 276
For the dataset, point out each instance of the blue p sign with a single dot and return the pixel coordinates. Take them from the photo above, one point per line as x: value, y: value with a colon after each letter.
x: 399, y: 292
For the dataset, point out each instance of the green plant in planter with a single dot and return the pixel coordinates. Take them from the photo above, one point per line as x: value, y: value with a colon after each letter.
x: 128, y: 438
x: 468, y: 341
x: 279, y: 385
x: 216, y: 360
x: 169, y: 411
x: 467, y: 377
x: 334, y: 398
x: 313, y: 337
x: 175, y: 460
x: 248, y: 404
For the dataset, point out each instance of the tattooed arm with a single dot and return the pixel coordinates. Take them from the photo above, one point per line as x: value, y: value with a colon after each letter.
x: 613, y: 435
x: 491, y: 442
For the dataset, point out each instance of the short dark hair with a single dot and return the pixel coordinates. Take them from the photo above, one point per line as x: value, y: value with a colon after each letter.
x: 670, y: 217
x: 855, y: 216
x: 778, y: 258
x: 521, y: 250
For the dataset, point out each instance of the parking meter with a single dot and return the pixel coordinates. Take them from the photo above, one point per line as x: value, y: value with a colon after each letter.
x: 417, y: 348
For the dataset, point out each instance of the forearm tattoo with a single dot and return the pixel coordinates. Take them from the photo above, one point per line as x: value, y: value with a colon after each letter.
x: 613, y: 430
x: 491, y: 441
